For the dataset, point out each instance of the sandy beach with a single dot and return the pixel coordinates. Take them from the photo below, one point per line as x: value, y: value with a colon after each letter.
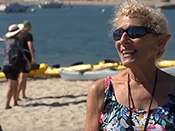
x: 53, y: 105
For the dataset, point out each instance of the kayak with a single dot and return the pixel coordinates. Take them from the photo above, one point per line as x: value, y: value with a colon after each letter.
x: 51, y: 71
x: 2, y: 75
x: 105, y: 66
x: 169, y: 70
x: 44, y: 69
x: 98, y: 74
x: 87, y: 75
x: 40, y: 71
x: 165, y: 63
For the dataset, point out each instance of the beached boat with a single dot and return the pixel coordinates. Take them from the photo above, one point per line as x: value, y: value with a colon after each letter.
x: 87, y: 75
x: 105, y: 64
x: 51, y: 71
x: 42, y: 68
x: 48, y: 5
x: 98, y: 74
x: 14, y: 7
x: 169, y: 70
x: 79, y: 66
x: 165, y: 63
x: 2, y: 7
x: 166, y: 6
x: 88, y: 72
x: 37, y: 72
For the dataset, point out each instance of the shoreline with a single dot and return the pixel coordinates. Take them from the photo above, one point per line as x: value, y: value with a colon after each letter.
x: 90, y: 2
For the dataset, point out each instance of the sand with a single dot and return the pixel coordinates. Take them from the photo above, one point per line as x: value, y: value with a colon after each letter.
x: 53, y: 105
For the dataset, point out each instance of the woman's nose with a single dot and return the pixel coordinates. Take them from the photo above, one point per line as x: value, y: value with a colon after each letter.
x: 124, y: 39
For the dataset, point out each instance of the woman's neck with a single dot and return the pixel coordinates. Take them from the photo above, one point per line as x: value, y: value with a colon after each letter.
x: 142, y: 76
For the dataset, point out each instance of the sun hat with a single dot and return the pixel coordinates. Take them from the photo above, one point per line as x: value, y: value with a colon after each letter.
x: 27, y: 23
x: 14, y: 29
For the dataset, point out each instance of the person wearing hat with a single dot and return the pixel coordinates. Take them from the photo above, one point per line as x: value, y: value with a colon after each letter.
x: 1, y: 128
x: 27, y: 44
x: 12, y: 38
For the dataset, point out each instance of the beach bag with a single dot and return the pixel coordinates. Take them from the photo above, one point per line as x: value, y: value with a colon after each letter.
x: 35, y: 66
x: 16, y: 59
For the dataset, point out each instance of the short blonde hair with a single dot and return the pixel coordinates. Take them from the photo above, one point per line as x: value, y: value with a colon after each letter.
x: 152, y: 18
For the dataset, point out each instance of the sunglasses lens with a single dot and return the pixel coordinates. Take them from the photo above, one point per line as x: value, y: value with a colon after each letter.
x: 136, y: 32
x: 133, y: 32
x: 117, y: 34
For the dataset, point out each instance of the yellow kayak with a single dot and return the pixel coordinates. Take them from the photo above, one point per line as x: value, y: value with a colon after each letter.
x: 111, y: 64
x: 52, y: 71
x: 2, y: 75
x: 40, y: 71
x: 44, y: 69
x: 81, y: 67
x: 101, y: 66
x: 165, y: 63
x: 121, y: 67
x: 160, y: 64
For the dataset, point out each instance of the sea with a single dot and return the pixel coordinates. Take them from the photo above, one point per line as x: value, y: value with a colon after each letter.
x: 80, y: 34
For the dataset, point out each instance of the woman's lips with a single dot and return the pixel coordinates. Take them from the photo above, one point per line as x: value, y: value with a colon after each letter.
x: 128, y: 52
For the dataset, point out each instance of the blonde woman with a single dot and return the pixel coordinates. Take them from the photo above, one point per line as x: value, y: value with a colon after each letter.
x: 142, y: 97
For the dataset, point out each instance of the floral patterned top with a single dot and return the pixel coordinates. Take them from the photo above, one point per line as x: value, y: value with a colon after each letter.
x: 115, y: 116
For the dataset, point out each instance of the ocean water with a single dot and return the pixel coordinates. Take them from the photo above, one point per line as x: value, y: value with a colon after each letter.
x: 66, y: 36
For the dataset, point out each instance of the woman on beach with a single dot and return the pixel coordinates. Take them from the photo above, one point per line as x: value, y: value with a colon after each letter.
x: 12, y: 39
x: 142, y: 97
x: 27, y: 44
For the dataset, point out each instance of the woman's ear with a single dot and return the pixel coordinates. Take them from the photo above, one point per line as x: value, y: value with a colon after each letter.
x: 163, y: 40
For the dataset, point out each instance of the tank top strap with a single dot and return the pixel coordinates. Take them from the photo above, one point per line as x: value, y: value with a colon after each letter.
x: 107, y: 83
x: 173, y: 95
x: 174, y: 92
x: 172, y: 98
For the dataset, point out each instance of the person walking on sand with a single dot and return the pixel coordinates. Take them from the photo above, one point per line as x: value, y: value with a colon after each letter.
x: 27, y: 44
x: 1, y: 128
x: 11, y: 73
x: 141, y: 97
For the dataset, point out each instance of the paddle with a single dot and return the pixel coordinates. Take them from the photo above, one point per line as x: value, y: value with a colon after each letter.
x: 73, y: 64
x: 77, y: 63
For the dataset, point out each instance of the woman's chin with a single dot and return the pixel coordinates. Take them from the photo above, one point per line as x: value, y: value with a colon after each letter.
x: 128, y: 62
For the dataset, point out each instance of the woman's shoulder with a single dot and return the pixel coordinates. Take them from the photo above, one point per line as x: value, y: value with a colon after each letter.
x: 164, y: 76
x: 98, y: 86
x: 167, y: 81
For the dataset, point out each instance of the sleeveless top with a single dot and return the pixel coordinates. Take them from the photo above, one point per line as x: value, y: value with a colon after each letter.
x: 115, y: 116
x: 7, y: 48
x: 25, y: 37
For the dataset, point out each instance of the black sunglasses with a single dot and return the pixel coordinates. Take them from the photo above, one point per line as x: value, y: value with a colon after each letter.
x: 133, y: 32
